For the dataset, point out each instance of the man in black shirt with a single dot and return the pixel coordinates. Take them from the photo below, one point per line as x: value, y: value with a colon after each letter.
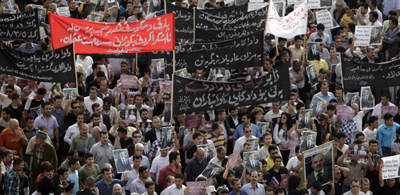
x: 197, y: 139
x: 281, y: 47
x: 73, y: 11
x: 129, y: 10
x: 49, y: 183
x: 391, y: 186
x: 89, y: 187
x: 70, y: 115
x: 16, y: 107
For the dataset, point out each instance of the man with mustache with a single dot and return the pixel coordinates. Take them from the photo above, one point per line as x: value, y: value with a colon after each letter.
x: 320, y: 172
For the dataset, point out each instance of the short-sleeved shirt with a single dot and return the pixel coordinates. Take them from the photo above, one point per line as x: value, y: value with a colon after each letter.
x: 6, y: 140
x: 51, y: 124
x: 217, y: 140
x: 102, y: 154
x: 194, y: 168
x: 85, y: 172
x: 46, y: 186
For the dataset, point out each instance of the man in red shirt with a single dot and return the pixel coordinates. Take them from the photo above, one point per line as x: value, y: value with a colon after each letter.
x: 12, y: 138
x: 171, y: 169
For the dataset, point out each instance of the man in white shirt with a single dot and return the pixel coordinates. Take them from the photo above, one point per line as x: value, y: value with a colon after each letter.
x: 377, y: 109
x: 74, y: 129
x: 178, y: 188
x: 247, y: 135
x: 370, y: 131
x: 86, y: 61
x: 373, y: 19
x: 91, y: 99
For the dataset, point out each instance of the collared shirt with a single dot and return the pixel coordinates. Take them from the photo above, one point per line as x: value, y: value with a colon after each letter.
x: 386, y: 136
x: 248, y: 189
x: 292, y: 163
x: 11, y: 183
x: 60, y: 120
x: 113, y: 113
x: 271, y: 115
x: 299, y: 84
x: 105, y: 189
x: 376, y: 23
x: 194, y: 168
x: 239, y: 131
x: 328, y: 97
x: 173, y: 190
x: 23, y: 48
x: 137, y: 186
x: 39, y: 154
x: 79, y: 143
x: 5, y: 167
x: 88, y: 103
x: 239, y: 143
x: 320, y: 192
x: 365, y: 18
x: 325, y: 38
x: 390, y: 36
x: 71, y: 132
x: 145, y: 161
x: 166, y: 171
x: 6, y: 140
x: 356, y: 171
x: 102, y: 126
x: 217, y: 140
x: 235, y: 120
x: 132, y: 176
x: 102, y: 154
x: 51, y: 124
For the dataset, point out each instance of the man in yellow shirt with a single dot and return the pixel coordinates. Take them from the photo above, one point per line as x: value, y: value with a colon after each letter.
x: 346, y: 19
x: 272, y: 150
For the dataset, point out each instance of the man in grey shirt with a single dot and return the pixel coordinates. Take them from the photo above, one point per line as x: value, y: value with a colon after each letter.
x: 102, y: 151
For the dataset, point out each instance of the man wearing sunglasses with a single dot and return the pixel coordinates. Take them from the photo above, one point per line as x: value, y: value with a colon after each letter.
x: 355, y: 188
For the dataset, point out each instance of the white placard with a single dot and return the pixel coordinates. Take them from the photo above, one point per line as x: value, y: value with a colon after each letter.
x: 63, y: 11
x: 256, y: 5
x: 42, y: 33
x: 368, y: 35
x: 390, y: 167
x: 325, y: 18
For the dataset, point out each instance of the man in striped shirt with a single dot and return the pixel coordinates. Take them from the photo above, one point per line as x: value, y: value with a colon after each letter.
x: 217, y: 136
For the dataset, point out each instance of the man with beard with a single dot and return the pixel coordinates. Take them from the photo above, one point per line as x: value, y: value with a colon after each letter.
x: 96, y: 123
x: 254, y: 187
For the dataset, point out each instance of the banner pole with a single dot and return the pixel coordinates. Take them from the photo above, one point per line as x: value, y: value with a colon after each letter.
x: 304, y: 50
x: 172, y: 83
x: 341, y: 69
x: 194, y: 25
x: 76, y: 74
x: 266, y: 20
x: 165, y: 6
x: 136, y: 62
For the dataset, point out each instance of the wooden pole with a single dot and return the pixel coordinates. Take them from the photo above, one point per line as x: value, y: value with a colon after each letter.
x: 76, y: 74
x: 194, y: 26
x: 172, y: 83
x: 341, y: 69
x: 136, y: 62
x: 165, y: 6
x: 266, y: 20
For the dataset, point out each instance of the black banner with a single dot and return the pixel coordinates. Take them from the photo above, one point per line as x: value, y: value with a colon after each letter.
x: 357, y: 74
x: 184, y: 17
x: 211, y: 28
x: 22, y: 26
x: 54, y: 66
x: 192, y: 95
x: 237, y: 53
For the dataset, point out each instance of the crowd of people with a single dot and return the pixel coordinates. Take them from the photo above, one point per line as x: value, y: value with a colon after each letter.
x: 54, y: 144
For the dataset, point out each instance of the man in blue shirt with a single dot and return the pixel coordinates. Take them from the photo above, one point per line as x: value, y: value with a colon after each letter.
x: 73, y: 173
x: 246, y: 118
x: 324, y: 94
x: 253, y: 187
x: 386, y: 133
x: 58, y: 112
x: 237, y: 186
x: 105, y: 186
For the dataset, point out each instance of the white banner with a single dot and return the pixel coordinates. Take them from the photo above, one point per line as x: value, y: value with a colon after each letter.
x: 63, y: 11
x: 390, y: 167
x: 289, y: 26
x: 368, y: 35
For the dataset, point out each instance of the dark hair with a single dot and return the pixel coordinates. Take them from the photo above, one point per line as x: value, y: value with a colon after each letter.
x: 149, y: 183
x: 297, y: 37
x: 272, y: 147
x: 72, y: 152
x: 70, y: 186
x: 57, y: 97
x: 41, y: 91
x: 387, y: 116
x: 263, y: 162
x: 318, y: 40
x: 17, y: 161
x: 103, y: 132
x: 374, y: 14
x: 95, y: 105
x: 93, y: 87
x: 46, y: 167
x: 94, y: 65
x: 173, y: 156
x: 359, y: 134
x: 333, y: 100
x: 142, y: 168
x: 352, y: 27
x: 331, y: 107
x: 279, y: 190
x: 219, y: 111
x: 297, y: 149
x: 277, y: 157
x: 108, y: 100
x: 29, y: 117
x: 95, y: 115
x: 373, y: 141
x: 10, y: 87
x: 340, y: 135
x: 320, y: 26
x: 61, y: 170
x: 122, y: 130
x: 281, y: 39
x: 195, y: 135
x: 72, y: 161
x: 143, y: 110
x: 7, y: 110
x: 88, y: 155
x: 317, y: 185
x: 299, y: 105
x: 179, y: 175
x: 6, y: 152
x: 303, y: 191
x: 395, y: 21
x: 365, y: 5
x: 15, y: 96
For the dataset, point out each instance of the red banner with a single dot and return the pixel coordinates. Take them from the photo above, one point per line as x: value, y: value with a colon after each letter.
x: 156, y: 34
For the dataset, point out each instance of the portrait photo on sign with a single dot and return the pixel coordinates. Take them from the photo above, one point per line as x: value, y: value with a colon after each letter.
x: 255, y: 74
x: 167, y: 115
x: 317, y: 105
x: 167, y: 137
x: 36, y: 111
x: 325, y: 3
x: 367, y: 99
x: 313, y: 53
x: 9, y: 4
x: 145, y: 127
x: 358, y: 150
x: 263, y: 127
x: 70, y: 93
x: 207, y: 150
x: 312, y: 75
x: 96, y: 17
x: 217, y: 74
x: 251, y: 159
x: 146, y: 147
x: 355, y: 134
x: 376, y: 35
x: 308, y: 140
x: 158, y: 71
x: 318, y: 164
x: 150, y: 91
x: 181, y: 72
x: 280, y: 8
x: 305, y: 119
x: 352, y: 98
x: 212, y: 170
x: 254, y: 143
x: 128, y: 115
x: 121, y: 159
x: 393, y: 110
